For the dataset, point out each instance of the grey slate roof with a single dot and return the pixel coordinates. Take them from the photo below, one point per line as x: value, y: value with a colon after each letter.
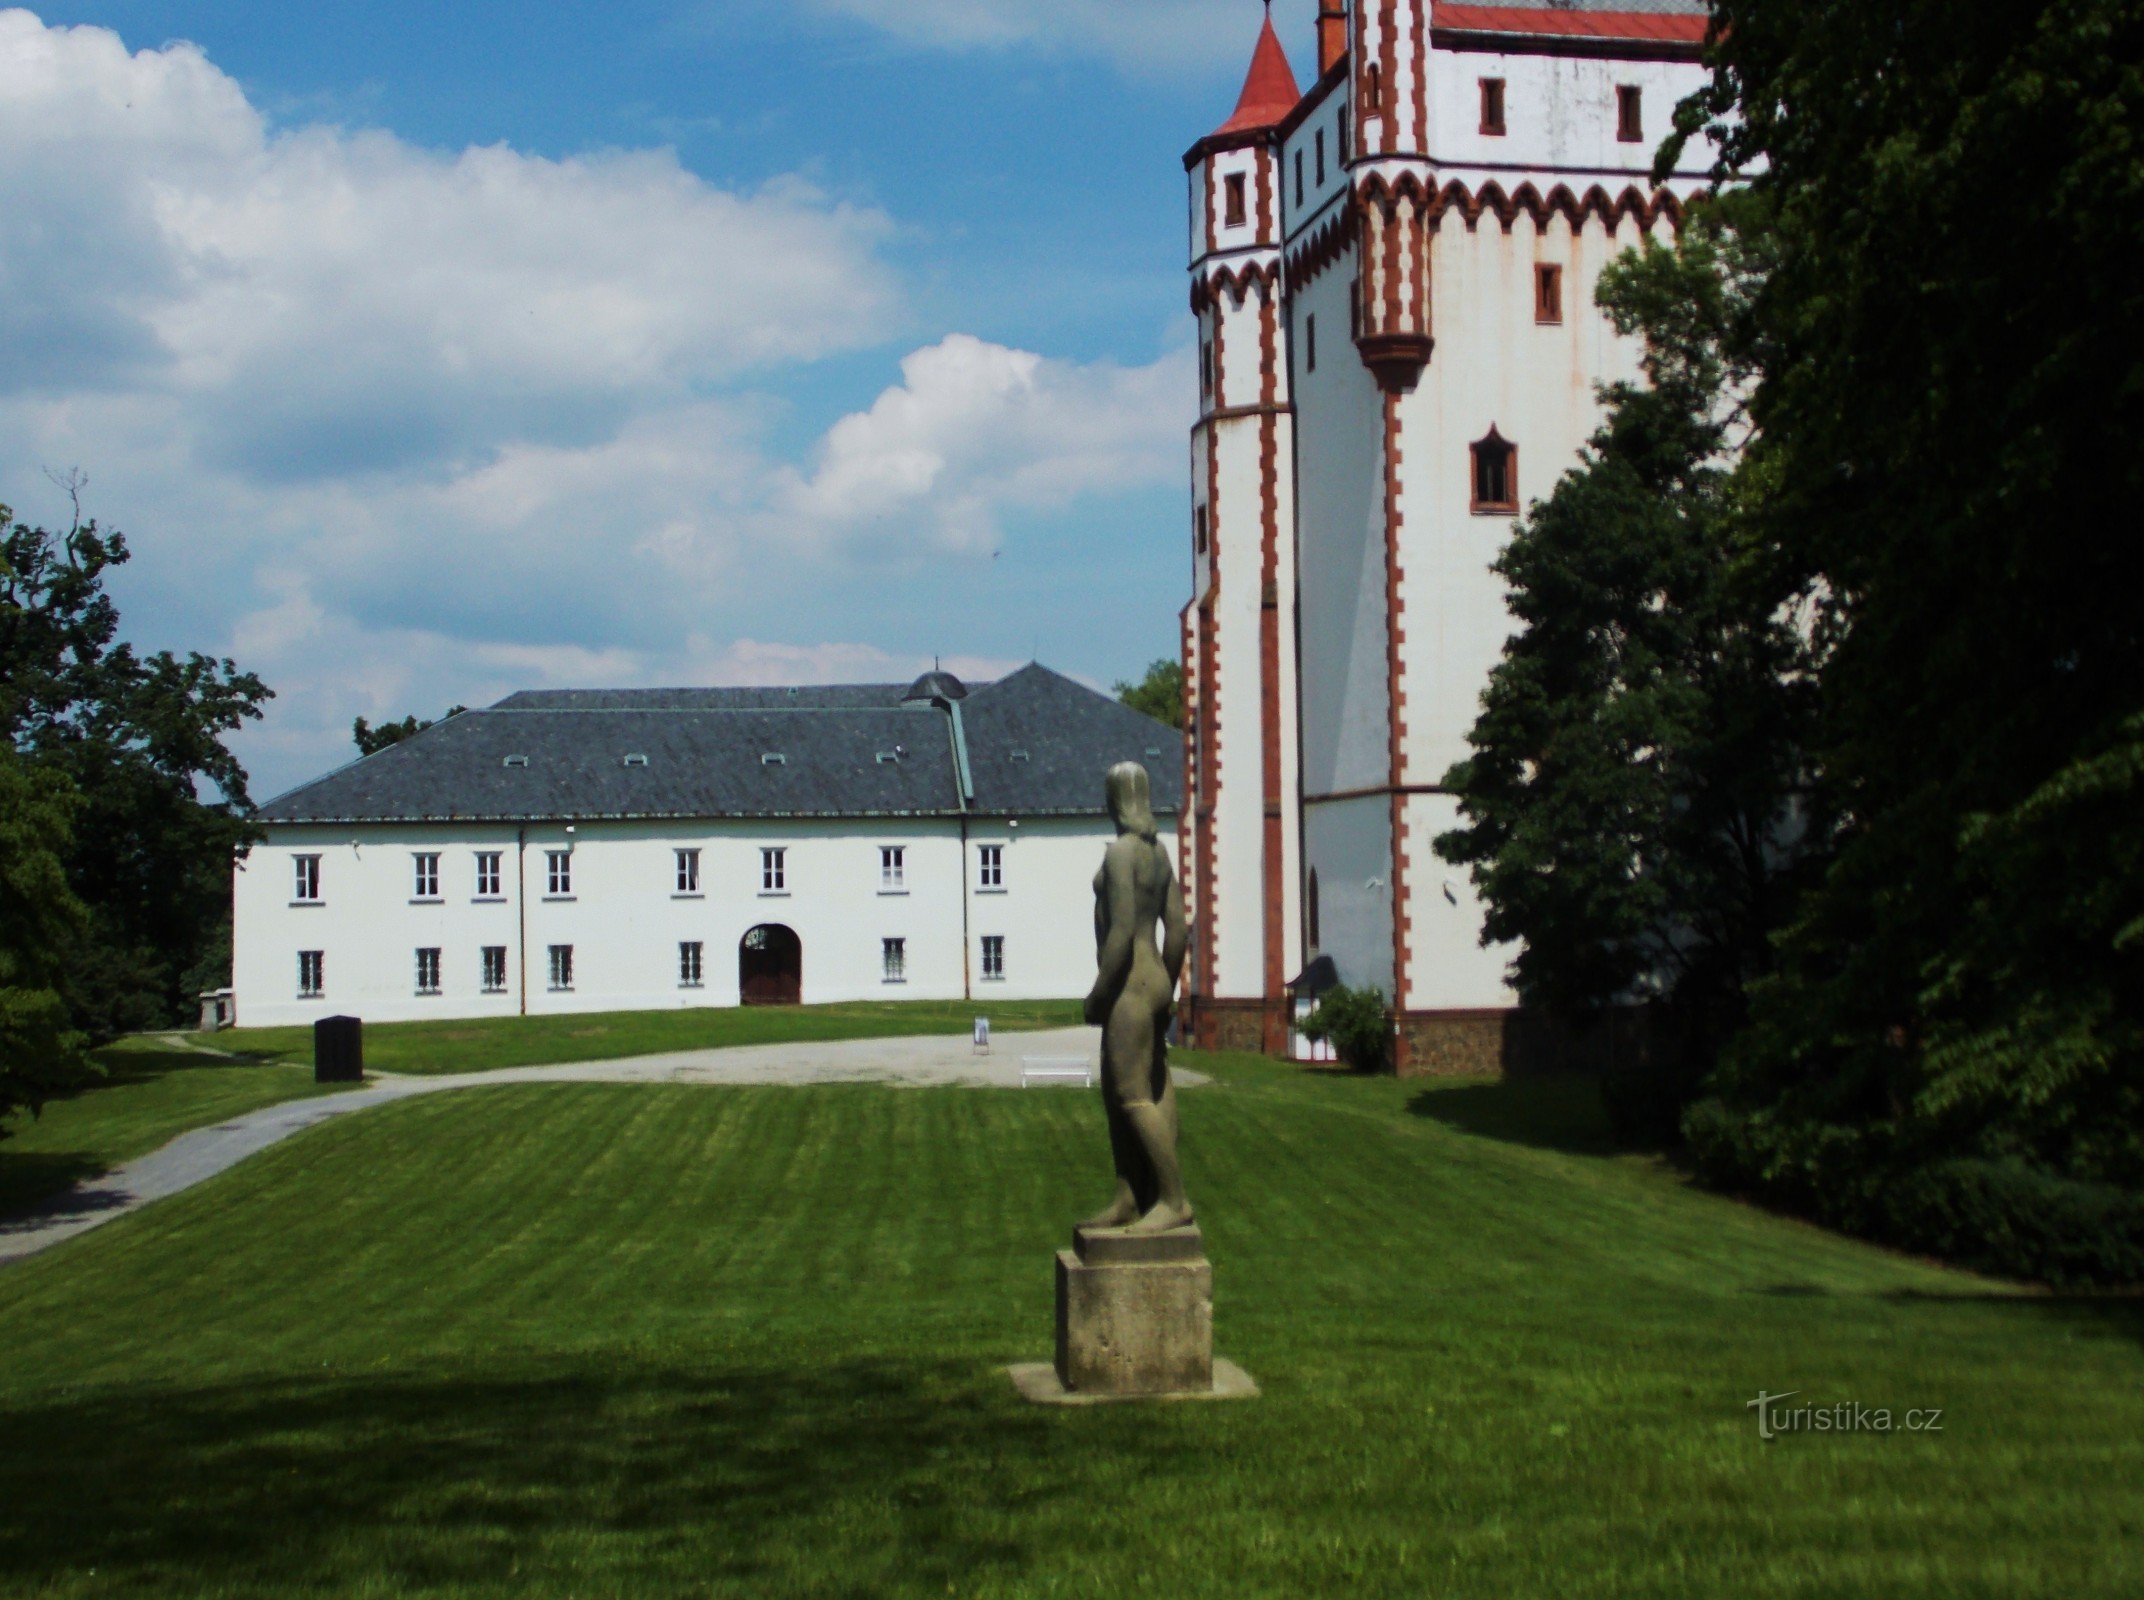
x: 1038, y: 745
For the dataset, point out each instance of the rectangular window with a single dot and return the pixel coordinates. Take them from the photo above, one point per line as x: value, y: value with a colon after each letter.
x: 1206, y: 370
x: 428, y: 972
x: 1234, y: 189
x: 1373, y: 89
x: 561, y: 967
x: 1492, y: 107
x: 312, y: 974
x: 1630, y: 113
x: 1198, y: 528
x: 993, y: 956
x: 691, y: 964
x: 1310, y: 343
x: 894, y: 954
x: 427, y: 885
x: 308, y: 878
x: 774, y: 872
x: 688, y: 872
x: 892, y: 867
x: 561, y: 872
x: 1321, y: 155
x: 990, y: 866
x: 1299, y: 177
x: 1548, y: 293
x: 487, y: 875
x: 495, y: 969
x: 1340, y: 135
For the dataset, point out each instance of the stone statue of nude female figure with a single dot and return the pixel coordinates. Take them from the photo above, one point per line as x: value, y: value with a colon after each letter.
x: 1133, y: 998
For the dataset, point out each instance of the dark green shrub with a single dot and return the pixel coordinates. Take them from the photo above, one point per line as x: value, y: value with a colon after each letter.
x: 1356, y: 1024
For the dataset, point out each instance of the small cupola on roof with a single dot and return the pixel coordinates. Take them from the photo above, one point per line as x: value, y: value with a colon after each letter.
x: 1269, y: 92
x: 937, y: 684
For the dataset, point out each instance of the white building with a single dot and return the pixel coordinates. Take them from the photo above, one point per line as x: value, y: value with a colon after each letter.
x: 1399, y: 349
x: 630, y: 850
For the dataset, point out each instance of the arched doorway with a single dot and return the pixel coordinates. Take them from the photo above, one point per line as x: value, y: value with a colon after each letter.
x: 770, y: 967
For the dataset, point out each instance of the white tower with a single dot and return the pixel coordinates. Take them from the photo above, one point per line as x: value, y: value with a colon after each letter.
x: 1242, y: 849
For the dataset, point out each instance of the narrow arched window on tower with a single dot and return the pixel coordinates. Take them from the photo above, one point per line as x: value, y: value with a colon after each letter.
x: 1496, y: 476
x: 1373, y: 89
x: 1235, y: 200
x: 1548, y: 292
x: 1630, y: 113
x: 1492, y: 107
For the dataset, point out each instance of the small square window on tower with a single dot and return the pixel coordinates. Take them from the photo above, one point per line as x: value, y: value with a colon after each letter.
x: 1630, y: 113
x: 1234, y: 211
x: 1548, y: 292
x: 1492, y: 107
x: 1496, y: 477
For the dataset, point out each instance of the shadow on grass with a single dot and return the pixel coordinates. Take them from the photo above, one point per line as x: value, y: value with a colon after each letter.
x: 30, y: 1178
x: 859, y: 1478
x: 1545, y: 1111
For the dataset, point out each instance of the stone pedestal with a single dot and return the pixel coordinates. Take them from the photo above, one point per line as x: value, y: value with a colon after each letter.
x: 1135, y: 1313
x: 1134, y: 1322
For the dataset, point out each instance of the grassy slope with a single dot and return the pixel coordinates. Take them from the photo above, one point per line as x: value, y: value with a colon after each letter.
x: 151, y: 1094
x: 666, y: 1340
x: 483, y: 1045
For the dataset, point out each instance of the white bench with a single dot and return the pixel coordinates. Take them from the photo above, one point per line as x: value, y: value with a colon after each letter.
x: 1055, y: 1069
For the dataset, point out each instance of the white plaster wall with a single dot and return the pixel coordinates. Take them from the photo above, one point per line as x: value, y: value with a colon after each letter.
x: 1349, y: 843
x: 1538, y: 386
x: 1339, y: 429
x: 1448, y: 969
x: 1559, y: 117
x: 1239, y: 804
x: 625, y: 919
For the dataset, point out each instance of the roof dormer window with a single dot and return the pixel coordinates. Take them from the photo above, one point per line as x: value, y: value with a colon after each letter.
x: 636, y: 760
x: 773, y: 758
x: 517, y: 761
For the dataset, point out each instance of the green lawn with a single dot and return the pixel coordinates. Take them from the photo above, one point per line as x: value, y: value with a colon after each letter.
x: 486, y: 1044
x: 150, y: 1093
x: 648, y: 1341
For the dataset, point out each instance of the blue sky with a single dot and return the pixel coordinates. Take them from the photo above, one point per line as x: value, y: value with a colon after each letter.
x: 425, y: 352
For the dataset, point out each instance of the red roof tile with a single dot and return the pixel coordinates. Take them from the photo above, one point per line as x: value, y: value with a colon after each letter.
x: 1269, y: 93
x: 1683, y: 28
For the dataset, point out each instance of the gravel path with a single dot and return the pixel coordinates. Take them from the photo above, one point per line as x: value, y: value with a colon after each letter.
x: 198, y: 1156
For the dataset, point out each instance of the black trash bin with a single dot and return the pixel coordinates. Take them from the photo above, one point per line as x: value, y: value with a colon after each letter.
x: 338, y: 1050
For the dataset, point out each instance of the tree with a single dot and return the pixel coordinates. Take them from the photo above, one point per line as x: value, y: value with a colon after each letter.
x: 1160, y: 694
x: 371, y: 741
x: 1631, y: 799
x: 40, y: 921
x: 162, y: 802
x: 1953, y: 405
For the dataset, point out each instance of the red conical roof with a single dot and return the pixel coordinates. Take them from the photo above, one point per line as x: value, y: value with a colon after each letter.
x: 1270, y: 92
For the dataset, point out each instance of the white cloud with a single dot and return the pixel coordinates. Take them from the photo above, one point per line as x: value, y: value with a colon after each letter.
x: 974, y: 430
x: 333, y: 301
x: 1144, y: 36
x: 397, y: 427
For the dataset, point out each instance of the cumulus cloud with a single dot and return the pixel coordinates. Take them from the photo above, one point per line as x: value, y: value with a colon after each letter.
x: 398, y: 426
x: 1146, y: 37
x: 974, y: 430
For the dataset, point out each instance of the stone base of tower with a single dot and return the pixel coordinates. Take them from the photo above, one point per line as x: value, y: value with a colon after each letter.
x: 1495, y: 1044
x: 1253, y: 1027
